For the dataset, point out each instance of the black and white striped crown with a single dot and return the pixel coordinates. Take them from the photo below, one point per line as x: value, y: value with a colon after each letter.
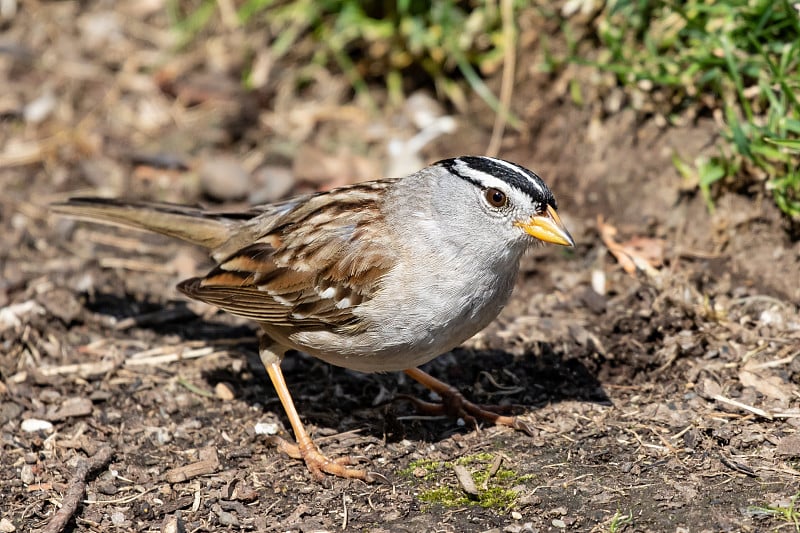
x: 480, y: 169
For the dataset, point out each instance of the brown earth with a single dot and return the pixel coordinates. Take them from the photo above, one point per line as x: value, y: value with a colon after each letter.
x: 670, y: 396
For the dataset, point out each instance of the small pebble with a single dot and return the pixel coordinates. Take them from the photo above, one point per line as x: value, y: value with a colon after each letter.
x: 228, y: 519
x: 599, y: 281
x: 516, y: 515
x: 32, y: 425
x: 26, y: 474
x: 118, y: 518
x: 266, y: 428
x: 107, y: 488
x: 38, y: 110
x: 6, y: 526
x: 559, y: 523
x: 224, y: 391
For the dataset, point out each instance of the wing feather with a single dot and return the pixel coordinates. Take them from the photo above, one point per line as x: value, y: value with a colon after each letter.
x: 310, y: 270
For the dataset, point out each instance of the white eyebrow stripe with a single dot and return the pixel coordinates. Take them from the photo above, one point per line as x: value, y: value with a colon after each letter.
x: 518, y: 170
x: 490, y: 180
x: 487, y: 180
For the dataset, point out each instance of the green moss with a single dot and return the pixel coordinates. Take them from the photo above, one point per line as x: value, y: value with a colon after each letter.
x: 498, y: 494
x: 445, y: 496
x: 429, y: 466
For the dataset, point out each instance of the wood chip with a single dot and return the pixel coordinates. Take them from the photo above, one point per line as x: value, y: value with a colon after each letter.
x: 72, y: 407
x: 208, y: 464
x: 465, y: 480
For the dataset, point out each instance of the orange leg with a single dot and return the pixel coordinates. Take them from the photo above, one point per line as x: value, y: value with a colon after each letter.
x: 305, y: 449
x: 456, y: 406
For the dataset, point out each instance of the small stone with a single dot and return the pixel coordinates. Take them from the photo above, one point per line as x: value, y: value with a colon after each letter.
x: 26, y: 474
x: 118, y: 518
x: 559, y: 523
x: 39, y: 109
x: 266, y: 428
x: 6, y: 526
x: 599, y: 282
x: 516, y: 515
x: 30, y: 458
x: 32, y: 425
x: 228, y: 519
x: 224, y: 391
x: 107, y: 488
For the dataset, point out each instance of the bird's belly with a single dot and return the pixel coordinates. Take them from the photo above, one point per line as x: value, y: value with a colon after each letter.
x: 414, y: 328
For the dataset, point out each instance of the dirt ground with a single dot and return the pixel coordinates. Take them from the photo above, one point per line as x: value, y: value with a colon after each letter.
x: 663, y: 400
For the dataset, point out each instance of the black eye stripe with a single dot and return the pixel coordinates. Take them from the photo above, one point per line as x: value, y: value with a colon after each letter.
x: 516, y: 176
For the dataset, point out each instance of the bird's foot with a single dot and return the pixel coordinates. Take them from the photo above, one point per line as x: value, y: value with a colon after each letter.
x: 319, y: 465
x: 455, y: 405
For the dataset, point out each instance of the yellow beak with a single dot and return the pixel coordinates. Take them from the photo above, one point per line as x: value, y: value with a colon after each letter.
x: 548, y: 228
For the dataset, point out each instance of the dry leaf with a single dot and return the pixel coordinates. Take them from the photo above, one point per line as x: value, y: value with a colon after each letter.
x: 639, y: 253
x: 770, y: 386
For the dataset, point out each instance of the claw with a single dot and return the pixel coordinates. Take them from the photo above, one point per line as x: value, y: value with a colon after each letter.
x: 455, y: 405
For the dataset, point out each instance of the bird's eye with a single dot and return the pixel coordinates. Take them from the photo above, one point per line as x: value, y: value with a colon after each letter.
x: 496, y: 197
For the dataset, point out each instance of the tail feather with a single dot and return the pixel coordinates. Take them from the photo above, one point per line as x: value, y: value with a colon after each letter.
x: 186, y: 223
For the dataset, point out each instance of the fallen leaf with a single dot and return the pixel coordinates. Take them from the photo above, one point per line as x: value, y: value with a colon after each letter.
x: 636, y: 254
x: 770, y: 386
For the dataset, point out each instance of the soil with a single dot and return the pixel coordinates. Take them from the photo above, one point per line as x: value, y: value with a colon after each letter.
x: 665, y: 399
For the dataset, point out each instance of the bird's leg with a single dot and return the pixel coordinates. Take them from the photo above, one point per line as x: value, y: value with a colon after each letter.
x: 456, y: 406
x: 271, y: 356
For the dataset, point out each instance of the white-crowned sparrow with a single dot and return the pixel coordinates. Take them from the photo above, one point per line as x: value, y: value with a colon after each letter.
x: 378, y: 276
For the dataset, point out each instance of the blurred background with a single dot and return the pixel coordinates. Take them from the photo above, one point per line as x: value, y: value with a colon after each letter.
x: 668, y: 130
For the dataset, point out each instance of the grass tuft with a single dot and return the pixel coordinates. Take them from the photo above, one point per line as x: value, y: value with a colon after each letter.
x: 737, y: 60
x: 378, y: 40
x: 789, y: 513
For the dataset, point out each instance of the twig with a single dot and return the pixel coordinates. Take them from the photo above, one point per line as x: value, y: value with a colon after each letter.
x: 77, y: 487
x: 208, y: 463
x: 755, y: 410
x: 495, y: 466
x: 466, y: 481
x: 344, y: 512
x: 147, y: 358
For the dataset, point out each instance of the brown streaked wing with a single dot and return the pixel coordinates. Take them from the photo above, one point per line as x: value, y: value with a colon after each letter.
x: 324, y: 259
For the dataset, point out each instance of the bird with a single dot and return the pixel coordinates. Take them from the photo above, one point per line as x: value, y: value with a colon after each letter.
x: 377, y: 276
